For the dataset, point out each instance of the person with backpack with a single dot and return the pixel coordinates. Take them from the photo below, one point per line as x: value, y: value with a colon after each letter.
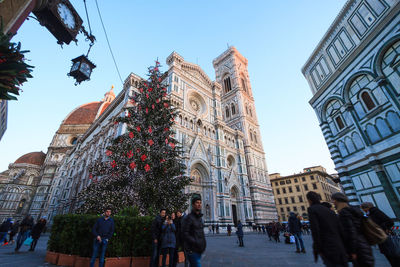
x: 386, y: 223
x: 355, y: 242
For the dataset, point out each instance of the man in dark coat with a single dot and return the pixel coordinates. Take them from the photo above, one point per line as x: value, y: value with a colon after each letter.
x: 178, y: 234
x: 240, y: 234
x: 229, y: 229
x: 14, y: 231
x: 385, y: 223
x: 24, y: 230
x: 351, y: 222
x: 156, y: 236
x: 326, y: 234
x: 193, y: 233
x: 102, y: 231
x: 36, y: 232
x: 295, y: 230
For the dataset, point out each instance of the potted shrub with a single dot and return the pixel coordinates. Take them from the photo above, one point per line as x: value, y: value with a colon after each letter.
x: 51, y: 257
x: 66, y: 260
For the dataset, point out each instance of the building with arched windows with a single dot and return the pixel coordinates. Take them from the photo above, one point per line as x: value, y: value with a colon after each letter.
x: 354, y: 76
x: 221, y: 142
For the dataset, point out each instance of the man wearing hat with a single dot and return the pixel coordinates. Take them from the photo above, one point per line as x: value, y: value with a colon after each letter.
x: 193, y: 233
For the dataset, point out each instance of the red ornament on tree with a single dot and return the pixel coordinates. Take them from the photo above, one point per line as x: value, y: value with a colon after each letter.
x: 108, y: 153
x: 115, y: 122
x: 90, y: 176
x: 143, y: 157
x: 151, y: 142
x: 166, y: 104
x: 150, y: 130
x: 129, y: 114
x: 172, y: 145
x: 152, y: 106
x: 166, y: 140
x: 132, y: 165
x: 137, y: 150
x: 131, y: 135
x: 166, y: 129
x: 113, y: 164
x: 129, y: 154
x: 147, y: 95
x: 164, y: 94
x: 138, y: 128
x: 147, y: 167
x: 147, y: 110
x: 157, y: 100
x: 150, y: 89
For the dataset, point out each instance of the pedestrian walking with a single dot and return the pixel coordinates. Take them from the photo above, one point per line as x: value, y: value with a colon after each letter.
x: 4, y: 228
x: 295, y: 230
x: 213, y: 228
x: 240, y: 234
x: 178, y: 237
x: 24, y: 231
x: 209, y: 229
x: 326, y: 233
x: 193, y: 233
x: 229, y: 229
x: 14, y: 231
x: 269, y: 231
x: 168, y: 241
x: 156, y: 237
x: 102, y: 231
x: 351, y: 221
x: 276, y: 231
x: 386, y: 223
x: 36, y: 232
x: 217, y: 228
x: 263, y: 229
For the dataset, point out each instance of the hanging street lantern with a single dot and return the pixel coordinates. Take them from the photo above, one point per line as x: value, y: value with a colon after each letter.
x: 81, y: 69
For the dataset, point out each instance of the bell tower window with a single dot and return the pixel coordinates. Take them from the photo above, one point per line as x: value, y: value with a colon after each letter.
x: 339, y: 122
x: 227, y: 84
x: 227, y: 112
x: 242, y: 80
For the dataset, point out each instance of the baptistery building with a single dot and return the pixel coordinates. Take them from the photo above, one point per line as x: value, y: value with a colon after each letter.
x: 354, y: 76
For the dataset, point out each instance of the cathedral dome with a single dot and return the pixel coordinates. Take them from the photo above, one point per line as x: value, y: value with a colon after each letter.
x: 88, y: 113
x: 36, y: 158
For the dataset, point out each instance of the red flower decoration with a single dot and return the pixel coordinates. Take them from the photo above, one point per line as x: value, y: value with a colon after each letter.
x: 141, y: 90
x: 152, y: 106
x: 155, y: 69
x: 147, y: 95
x: 147, y: 110
x: 143, y: 157
x: 151, y: 142
x: 147, y: 167
x: 129, y: 115
x: 162, y: 160
x: 131, y: 135
x: 159, y: 79
x: 172, y: 145
x: 166, y: 140
x: 150, y: 130
x: 164, y: 94
x: 108, y: 153
x: 115, y: 122
x: 150, y: 89
x: 166, y: 129
x: 165, y: 104
x: 158, y: 86
x: 138, y: 128
x: 113, y: 164
x: 129, y: 154
x: 132, y: 165
x: 157, y: 100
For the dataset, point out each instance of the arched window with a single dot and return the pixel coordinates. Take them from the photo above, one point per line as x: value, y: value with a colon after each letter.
x: 227, y: 84
x: 339, y: 122
x: 233, y: 109
x: 74, y: 140
x: 350, y: 145
x: 251, y: 113
x: 334, y: 116
x: 367, y: 100
x: 342, y: 149
x: 393, y: 120
x: 383, y: 128
x: 247, y: 109
x: 251, y: 136
x: 357, y: 141
x: 255, y: 138
x: 227, y: 112
x: 243, y: 82
x: 372, y: 133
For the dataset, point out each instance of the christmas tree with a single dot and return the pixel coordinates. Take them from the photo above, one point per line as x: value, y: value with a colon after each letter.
x: 143, y: 166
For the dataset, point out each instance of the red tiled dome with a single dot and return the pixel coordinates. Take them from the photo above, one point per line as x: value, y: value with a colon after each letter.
x: 36, y: 158
x: 84, y: 114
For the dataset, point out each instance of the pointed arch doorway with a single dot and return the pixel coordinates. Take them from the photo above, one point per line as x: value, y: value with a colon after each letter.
x: 234, y: 204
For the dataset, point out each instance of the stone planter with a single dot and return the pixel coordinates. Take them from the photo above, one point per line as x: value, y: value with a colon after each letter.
x: 84, y: 262
x: 140, y: 261
x: 66, y: 260
x: 51, y: 257
x: 118, y: 262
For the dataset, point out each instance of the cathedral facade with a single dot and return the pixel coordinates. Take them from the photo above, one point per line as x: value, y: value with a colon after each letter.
x: 217, y: 127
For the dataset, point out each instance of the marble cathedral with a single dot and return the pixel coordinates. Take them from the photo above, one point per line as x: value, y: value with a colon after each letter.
x: 217, y: 126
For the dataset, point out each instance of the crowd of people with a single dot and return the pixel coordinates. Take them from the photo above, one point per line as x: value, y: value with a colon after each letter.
x: 28, y: 232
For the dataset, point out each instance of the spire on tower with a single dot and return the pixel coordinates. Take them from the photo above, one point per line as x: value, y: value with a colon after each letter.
x: 110, y: 95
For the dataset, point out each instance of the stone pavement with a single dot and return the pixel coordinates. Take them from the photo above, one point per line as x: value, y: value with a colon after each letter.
x: 221, y: 251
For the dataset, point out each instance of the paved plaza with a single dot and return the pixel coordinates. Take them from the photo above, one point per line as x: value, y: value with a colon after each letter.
x: 221, y: 251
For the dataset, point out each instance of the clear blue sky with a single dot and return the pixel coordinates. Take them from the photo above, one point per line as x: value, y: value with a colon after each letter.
x: 276, y: 37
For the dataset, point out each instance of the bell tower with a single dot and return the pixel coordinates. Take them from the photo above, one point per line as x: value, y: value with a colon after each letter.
x: 239, y: 112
